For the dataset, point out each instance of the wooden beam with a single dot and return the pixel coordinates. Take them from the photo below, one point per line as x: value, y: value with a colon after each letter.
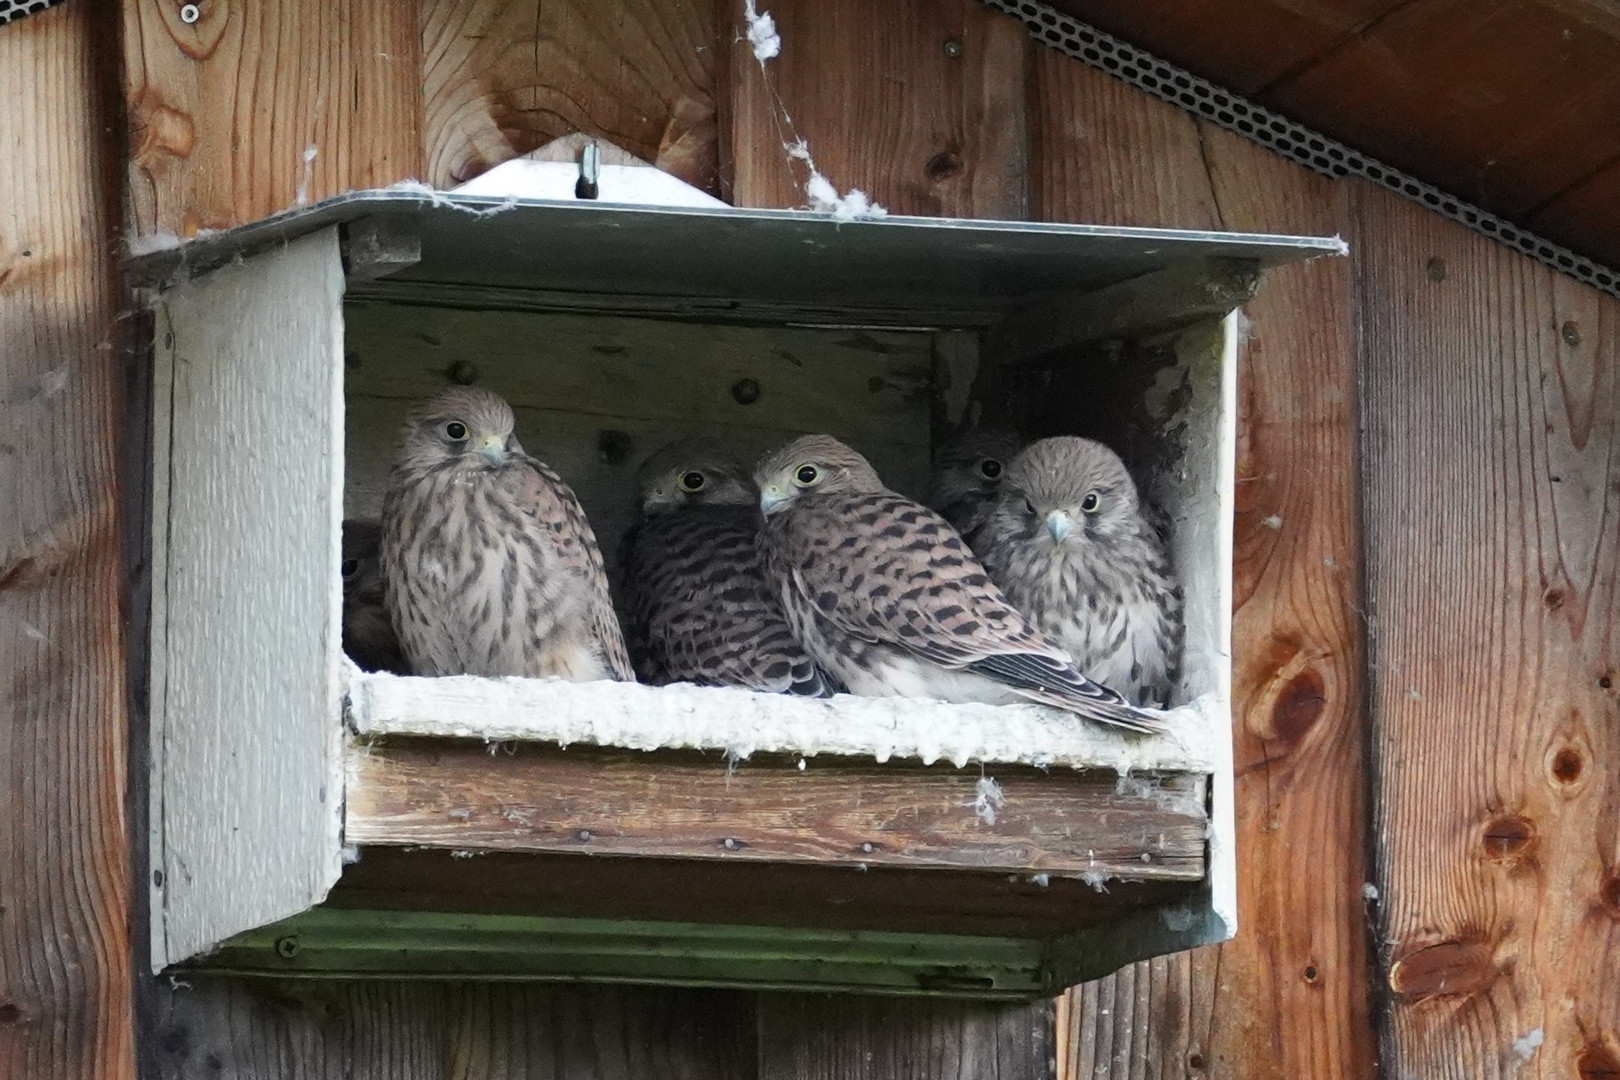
x: 920, y: 105
x: 828, y: 897
x: 669, y: 805
x: 502, y: 78
x: 66, y: 961
x: 1493, y: 563
x: 251, y: 110
x: 1295, y: 978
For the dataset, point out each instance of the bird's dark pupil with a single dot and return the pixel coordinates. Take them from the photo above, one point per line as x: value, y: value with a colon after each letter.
x: 807, y: 474
x: 456, y: 429
x: 1089, y: 503
x: 991, y: 469
x: 692, y: 481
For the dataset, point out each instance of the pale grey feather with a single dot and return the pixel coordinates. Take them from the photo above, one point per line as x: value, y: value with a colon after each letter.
x: 1069, y: 543
x: 490, y: 564
x: 885, y: 594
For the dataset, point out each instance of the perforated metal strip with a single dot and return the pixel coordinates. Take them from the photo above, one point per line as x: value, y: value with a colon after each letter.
x: 12, y: 10
x: 1294, y: 141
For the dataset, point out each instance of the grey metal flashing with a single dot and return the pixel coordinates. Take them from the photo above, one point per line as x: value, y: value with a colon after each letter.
x: 725, y: 263
x: 1296, y: 142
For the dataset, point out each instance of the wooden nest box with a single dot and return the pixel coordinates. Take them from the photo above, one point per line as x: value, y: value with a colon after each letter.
x: 310, y: 820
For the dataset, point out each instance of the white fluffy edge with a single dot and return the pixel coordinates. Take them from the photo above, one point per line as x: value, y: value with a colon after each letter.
x: 741, y: 723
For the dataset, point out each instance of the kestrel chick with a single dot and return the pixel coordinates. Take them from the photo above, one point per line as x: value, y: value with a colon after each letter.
x: 967, y: 474
x: 368, y: 635
x: 1070, y: 545
x: 698, y: 607
x: 884, y: 594
x: 490, y: 564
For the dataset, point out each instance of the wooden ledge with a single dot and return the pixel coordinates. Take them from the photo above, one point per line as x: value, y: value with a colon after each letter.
x: 469, y: 797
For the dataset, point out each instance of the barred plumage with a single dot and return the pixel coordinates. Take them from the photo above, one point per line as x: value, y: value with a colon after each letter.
x: 368, y: 634
x: 697, y: 606
x: 885, y: 594
x: 491, y: 566
x: 1069, y: 543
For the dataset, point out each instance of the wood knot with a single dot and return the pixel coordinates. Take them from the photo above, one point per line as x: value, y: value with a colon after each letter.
x: 943, y: 165
x: 1609, y: 894
x: 1553, y: 598
x: 1311, y: 974
x: 1597, y: 1062
x: 1606, y: 680
x: 1449, y: 969
x: 1437, y: 269
x: 10, y: 1013
x: 1508, y: 837
x: 1567, y: 765
x: 1299, y: 705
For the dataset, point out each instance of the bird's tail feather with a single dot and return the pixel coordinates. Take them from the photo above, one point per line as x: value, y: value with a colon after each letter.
x: 1051, y: 681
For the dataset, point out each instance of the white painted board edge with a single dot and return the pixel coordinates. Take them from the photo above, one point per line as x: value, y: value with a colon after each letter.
x: 742, y: 723
x: 247, y: 685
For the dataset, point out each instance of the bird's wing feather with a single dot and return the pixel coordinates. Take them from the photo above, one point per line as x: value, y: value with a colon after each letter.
x: 889, y: 570
x: 555, y: 506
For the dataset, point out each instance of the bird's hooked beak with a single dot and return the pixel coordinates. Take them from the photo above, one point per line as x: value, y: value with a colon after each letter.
x: 492, y: 448
x: 1058, y: 524
x: 771, y: 498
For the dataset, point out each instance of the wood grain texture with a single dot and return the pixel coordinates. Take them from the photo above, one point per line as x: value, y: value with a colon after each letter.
x: 246, y: 692
x: 1492, y: 390
x: 259, y: 1030
x: 672, y: 805
x: 504, y: 77
x: 1295, y: 978
x: 1585, y: 216
x: 844, y: 1038
x: 65, y: 894
x: 1503, y: 103
x: 255, y: 108
x: 886, y: 107
x: 579, y: 885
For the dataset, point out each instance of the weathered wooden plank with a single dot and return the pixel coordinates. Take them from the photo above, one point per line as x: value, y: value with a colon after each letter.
x: 1493, y: 574
x: 1296, y: 974
x: 842, y: 897
x: 255, y: 108
x: 256, y: 1030
x: 245, y: 656
x: 504, y: 77
x: 65, y: 955
x: 842, y: 1038
x: 920, y: 105
x: 671, y: 805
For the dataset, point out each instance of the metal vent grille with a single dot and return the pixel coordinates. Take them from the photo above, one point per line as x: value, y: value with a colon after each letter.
x: 1294, y: 141
x: 12, y: 10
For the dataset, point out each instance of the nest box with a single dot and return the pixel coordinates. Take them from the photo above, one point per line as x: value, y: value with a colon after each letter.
x: 308, y: 819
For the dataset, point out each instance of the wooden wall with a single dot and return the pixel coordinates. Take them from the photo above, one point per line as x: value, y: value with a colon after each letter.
x: 1434, y: 891
x: 65, y: 880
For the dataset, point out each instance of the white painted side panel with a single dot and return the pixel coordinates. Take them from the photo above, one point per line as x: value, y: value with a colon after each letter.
x: 247, y: 691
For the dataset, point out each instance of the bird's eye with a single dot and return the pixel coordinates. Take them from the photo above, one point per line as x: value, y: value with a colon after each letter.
x: 990, y: 469
x: 1029, y: 507
x: 692, y: 481
x: 1090, y: 503
x: 805, y: 475
x: 349, y: 568
x: 455, y: 431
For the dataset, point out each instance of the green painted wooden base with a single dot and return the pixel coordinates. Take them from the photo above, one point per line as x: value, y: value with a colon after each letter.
x: 346, y: 943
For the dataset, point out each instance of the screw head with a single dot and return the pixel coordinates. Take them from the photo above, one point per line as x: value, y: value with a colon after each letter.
x: 953, y: 48
x: 190, y: 13
x: 463, y: 372
x: 1571, y: 334
x: 287, y: 947
x: 745, y: 391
